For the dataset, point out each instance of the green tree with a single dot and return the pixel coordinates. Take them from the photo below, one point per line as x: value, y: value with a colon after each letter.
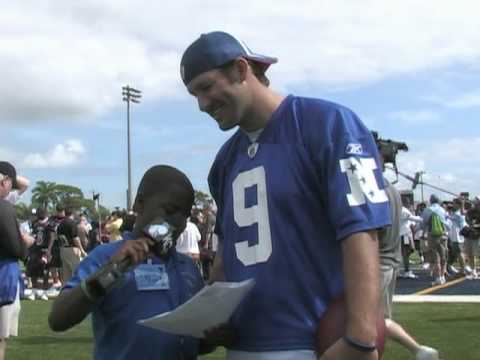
x: 202, y: 199
x: 88, y: 206
x: 44, y: 195
x: 23, y: 211
x: 69, y: 196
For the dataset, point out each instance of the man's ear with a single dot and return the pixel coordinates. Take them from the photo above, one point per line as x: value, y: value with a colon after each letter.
x: 241, y: 69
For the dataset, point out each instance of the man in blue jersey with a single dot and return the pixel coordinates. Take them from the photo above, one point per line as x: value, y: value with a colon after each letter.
x: 133, y: 279
x: 300, y: 197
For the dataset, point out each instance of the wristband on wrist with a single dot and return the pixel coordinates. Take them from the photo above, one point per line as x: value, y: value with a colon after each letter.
x: 86, y: 292
x: 360, y: 346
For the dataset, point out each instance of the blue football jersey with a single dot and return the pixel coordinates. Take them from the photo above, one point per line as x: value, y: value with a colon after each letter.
x: 285, y: 202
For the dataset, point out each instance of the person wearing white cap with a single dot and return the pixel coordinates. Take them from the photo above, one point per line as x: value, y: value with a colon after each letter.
x: 300, y: 197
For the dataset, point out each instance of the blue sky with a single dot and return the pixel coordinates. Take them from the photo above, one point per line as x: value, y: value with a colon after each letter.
x: 410, y: 70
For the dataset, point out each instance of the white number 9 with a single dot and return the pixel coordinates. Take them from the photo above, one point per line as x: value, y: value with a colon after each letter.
x: 250, y: 255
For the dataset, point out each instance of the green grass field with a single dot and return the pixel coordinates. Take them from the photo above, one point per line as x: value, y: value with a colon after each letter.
x: 452, y: 328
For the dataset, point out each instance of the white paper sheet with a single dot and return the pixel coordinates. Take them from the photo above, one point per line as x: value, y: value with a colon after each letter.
x: 211, y: 306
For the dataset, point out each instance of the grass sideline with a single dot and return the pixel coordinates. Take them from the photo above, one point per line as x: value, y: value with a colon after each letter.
x: 452, y: 328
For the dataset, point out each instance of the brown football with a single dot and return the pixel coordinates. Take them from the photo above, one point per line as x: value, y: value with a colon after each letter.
x: 332, y: 327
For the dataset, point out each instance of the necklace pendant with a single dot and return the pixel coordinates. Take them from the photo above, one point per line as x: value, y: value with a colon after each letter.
x: 252, y: 150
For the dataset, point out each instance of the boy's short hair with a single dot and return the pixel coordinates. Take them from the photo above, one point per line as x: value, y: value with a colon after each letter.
x: 159, y: 177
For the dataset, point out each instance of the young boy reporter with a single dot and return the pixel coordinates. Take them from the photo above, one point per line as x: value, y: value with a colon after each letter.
x: 125, y: 281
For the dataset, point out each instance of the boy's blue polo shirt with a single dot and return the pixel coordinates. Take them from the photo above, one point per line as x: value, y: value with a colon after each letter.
x: 114, y: 318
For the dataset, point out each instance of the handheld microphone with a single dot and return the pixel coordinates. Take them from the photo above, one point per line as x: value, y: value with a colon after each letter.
x: 161, y: 234
x: 111, y: 274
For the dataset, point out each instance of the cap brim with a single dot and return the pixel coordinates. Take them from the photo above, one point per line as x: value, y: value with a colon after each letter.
x: 263, y: 61
x: 266, y: 60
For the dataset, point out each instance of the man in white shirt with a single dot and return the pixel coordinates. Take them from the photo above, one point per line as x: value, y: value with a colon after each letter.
x: 458, y: 222
x: 187, y: 243
x: 406, y: 236
x: 22, y: 186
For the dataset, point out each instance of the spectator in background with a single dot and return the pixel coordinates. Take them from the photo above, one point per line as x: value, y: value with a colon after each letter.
x: 211, y: 240
x: 22, y: 184
x: 113, y: 225
x: 94, y: 236
x: 437, y: 244
x: 83, y: 229
x: 37, y: 262
x: 458, y: 222
x: 71, y: 248
x: 389, y: 246
x: 53, y: 251
x: 128, y: 223
x: 420, y: 238
x: 406, y: 238
x: 13, y: 247
x: 104, y: 236
x: 187, y: 242
x: 473, y: 237
x: 206, y: 259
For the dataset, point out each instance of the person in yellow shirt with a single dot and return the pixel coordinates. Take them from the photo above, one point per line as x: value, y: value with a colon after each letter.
x: 113, y: 226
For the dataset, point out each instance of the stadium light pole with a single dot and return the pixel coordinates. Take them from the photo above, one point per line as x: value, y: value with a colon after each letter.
x: 130, y: 95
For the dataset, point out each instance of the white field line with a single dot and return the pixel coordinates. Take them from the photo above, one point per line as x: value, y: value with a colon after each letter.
x: 436, y: 298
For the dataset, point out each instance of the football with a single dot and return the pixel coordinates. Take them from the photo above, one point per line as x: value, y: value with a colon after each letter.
x: 332, y: 327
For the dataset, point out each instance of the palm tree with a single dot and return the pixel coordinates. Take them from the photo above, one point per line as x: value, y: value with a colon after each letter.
x: 23, y: 211
x: 69, y: 196
x: 44, y: 194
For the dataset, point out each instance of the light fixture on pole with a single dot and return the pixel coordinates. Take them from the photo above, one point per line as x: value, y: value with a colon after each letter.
x: 130, y: 95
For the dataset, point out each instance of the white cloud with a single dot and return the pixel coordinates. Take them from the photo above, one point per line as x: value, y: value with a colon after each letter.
x: 467, y: 100
x: 62, y: 155
x: 418, y: 117
x: 7, y: 155
x: 71, y: 59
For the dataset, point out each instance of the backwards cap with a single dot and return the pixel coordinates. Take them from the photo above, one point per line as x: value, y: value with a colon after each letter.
x: 213, y: 50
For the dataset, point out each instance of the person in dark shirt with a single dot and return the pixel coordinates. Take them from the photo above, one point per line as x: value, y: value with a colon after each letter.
x: 53, y: 251
x: 71, y: 249
x: 13, y: 246
x: 36, y: 266
x: 472, y: 241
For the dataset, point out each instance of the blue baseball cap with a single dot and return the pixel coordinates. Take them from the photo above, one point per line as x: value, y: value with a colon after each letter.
x: 213, y: 50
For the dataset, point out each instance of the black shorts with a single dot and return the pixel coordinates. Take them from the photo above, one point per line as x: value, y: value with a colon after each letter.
x: 456, y: 249
x: 36, y: 264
